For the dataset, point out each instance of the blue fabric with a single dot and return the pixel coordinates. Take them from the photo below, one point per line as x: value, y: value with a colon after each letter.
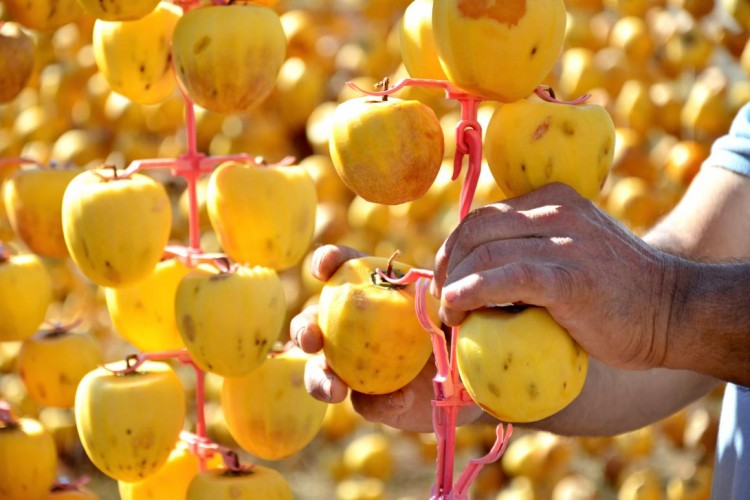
x: 732, y: 466
x: 732, y: 151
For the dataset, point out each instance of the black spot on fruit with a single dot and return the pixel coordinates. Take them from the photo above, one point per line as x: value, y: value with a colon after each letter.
x: 493, y: 389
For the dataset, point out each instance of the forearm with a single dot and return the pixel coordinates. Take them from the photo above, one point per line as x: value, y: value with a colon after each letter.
x: 709, y: 327
x: 614, y: 401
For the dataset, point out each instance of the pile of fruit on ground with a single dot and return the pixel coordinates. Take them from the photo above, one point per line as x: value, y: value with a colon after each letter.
x: 670, y: 73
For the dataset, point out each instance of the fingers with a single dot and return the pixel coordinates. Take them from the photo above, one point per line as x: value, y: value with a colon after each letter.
x: 512, y: 283
x: 383, y: 407
x: 305, y: 331
x: 328, y: 258
x: 321, y: 383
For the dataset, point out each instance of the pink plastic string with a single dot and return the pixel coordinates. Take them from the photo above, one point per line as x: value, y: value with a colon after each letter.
x: 203, y: 447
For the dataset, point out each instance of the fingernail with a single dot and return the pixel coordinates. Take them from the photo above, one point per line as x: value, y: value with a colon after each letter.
x: 298, y: 334
x: 396, y: 399
x: 433, y: 289
x: 326, y: 386
x: 449, y: 293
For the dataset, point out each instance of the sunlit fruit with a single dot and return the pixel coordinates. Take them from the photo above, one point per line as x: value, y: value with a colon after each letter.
x: 528, y: 33
x: 417, y: 42
x: 16, y: 60
x: 25, y: 295
x: 43, y: 15
x: 33, y: 200
x: 172, y: 480
x: 54, y: 361
x: 535, y: 370
x: 256, y: 482
x: 227, y: 57
x: 95, y: 202
x: 373, y: 340
x: 129, y: 423
x: 386, y: 151
x: 230, y: 319
x: 118, y: 10
x: 135, y: 56
x: 268, y: 411
x: 530, y: 143
x: 262, y: 215
x: 28, y: 459
x: 370, y: 455
x: 143, y: 313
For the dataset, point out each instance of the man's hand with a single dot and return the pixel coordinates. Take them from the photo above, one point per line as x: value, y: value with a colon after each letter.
x: 408, y: 408
x: 554, y: 248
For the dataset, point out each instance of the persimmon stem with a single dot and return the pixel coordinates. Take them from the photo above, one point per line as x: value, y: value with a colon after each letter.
x: 389, y: 269
x: 384, y: 85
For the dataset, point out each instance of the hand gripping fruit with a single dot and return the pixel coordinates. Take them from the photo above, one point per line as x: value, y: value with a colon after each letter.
x: 519, y: 366
x: 372, y: 337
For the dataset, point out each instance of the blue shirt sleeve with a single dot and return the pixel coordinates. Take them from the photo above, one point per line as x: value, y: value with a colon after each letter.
x: 732, y: 151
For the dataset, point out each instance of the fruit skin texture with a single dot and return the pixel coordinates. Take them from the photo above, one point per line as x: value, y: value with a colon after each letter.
x: 28, y: 460
x: 519, y: 366
x: 262, y: 215
x: 135, y: 56
x: 228, y: 57
x: 533, y: 143
x: 230, y: 320
x: 268, y: 411
x: 387, y: 152
x: 503, y: 51
x: 417, y: 42
x: 118, y: 10
x: 143, y: 313
x: 52, y: 364
x: 172, y: 480
x: 258, y: 482
x: 16, y: 61
x: 372, y: 338
x: 129, y: 424
x: 25, y: 295
x: 43, y: 15
x: 116, y: 229
x: 33, y: 200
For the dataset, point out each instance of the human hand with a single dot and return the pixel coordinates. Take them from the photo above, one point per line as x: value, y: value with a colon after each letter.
x: 554, y: 248
x: 408, y: 408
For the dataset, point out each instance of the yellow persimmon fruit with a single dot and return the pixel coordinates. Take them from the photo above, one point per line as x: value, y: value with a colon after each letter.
x: 230, y: 320
x: 118, y: 10
x: 372, y: 338
x: 228, y: 57
x: 135, y: 56
x: 115, y: 228
x: 143, y: 313
x: 43, y: 15
x: 386, y: 151
x: 172, y: 480
x: 262, y: 215
x: 256, y: 482
x: 129, y: 423
x: 33, y: 200
x: 268, y: 411
x: 25, y: 295
x: 16, y: 61
x: 417, y: 42
x: 28, y: 459
x: 531, y: 143
x: 53, y: 362
x: 519, y: 366
x: 528, y: 35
